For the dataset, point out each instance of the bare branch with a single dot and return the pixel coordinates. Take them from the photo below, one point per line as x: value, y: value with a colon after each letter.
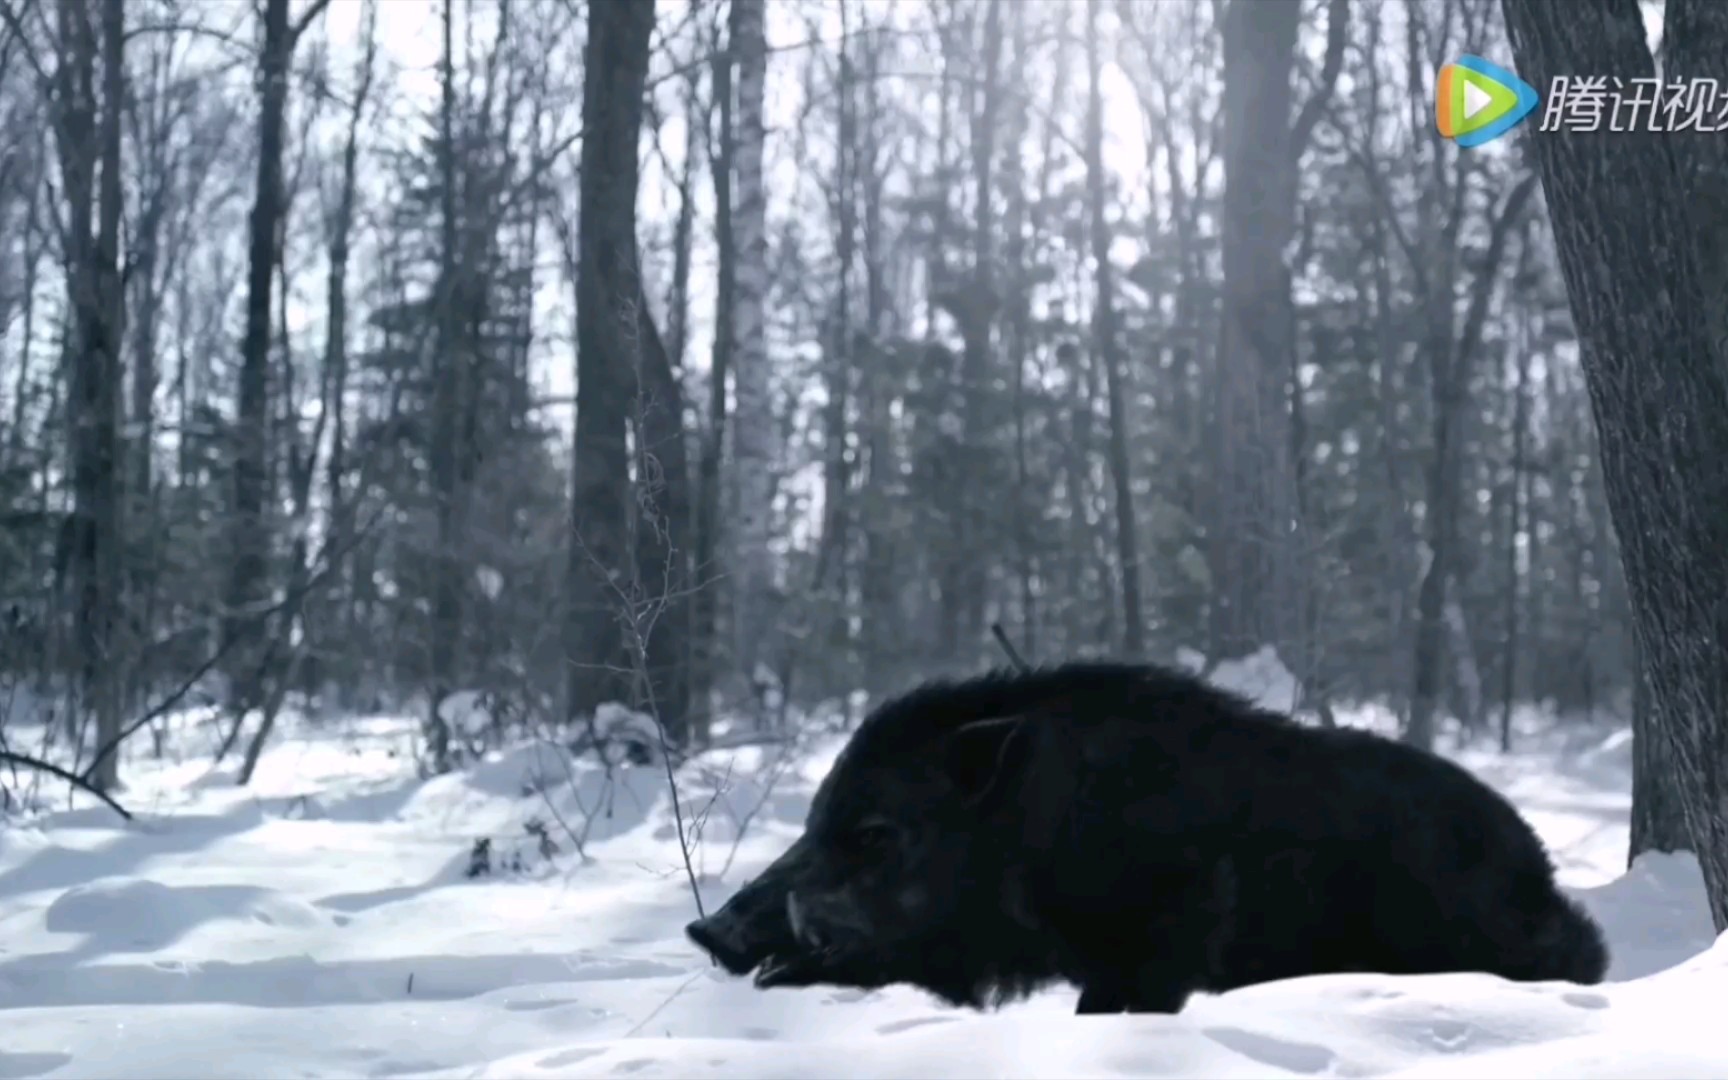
x: 82, y: 783
x: 1337, y: 26
x: 305, y: 20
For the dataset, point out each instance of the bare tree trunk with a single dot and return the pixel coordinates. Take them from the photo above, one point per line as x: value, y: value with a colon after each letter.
x: 879, y: 611
x: 1258, y: 594
x: 1451, y: 365
x: 1520, y: 438
x: 291, y: 632
x: 753, y: 430
x: 248, y: 524
x: 662, y: 533
x: 1254, y: 511
x: 684, y: 232
x: 1019, y: 331
x: 97, y: 467
x: 448, y: 366
x: 145, y: 303
x: 947, y: 558
x: 1658, y: 382
x: 335, y: 374
x: 1108, y: 348
x: 705, y: 579
x: 88, y: 137
x: 833, y: 571
x: 1658, y: 818
x: 975, y: 308
x: 608, y: 312
x: 1693, y: 36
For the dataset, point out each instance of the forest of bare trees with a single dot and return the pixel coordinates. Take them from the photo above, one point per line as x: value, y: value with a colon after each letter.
x: 714, y: 355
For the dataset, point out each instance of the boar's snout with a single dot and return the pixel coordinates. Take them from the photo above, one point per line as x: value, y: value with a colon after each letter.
x: 724, y: 940
x: 748, y: 928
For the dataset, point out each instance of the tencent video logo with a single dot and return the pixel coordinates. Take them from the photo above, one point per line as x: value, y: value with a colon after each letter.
x: 1477, y: 102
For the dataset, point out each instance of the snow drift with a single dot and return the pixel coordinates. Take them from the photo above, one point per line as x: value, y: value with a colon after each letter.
x: 323, y: 922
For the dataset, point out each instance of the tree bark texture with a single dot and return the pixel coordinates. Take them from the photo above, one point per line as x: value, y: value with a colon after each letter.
x: 608, y: 300
x: 1633, y: 258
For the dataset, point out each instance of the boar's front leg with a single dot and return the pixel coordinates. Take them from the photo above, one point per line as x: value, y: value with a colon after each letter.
x: 1142, y: 961
x: 1145, y: 991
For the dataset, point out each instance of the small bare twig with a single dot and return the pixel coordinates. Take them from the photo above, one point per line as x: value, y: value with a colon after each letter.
x: 578, y: 840
x: 1014, y: 656
x: 741, y: 823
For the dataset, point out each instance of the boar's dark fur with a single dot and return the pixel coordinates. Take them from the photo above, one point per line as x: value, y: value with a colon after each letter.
x: 1143, y: 835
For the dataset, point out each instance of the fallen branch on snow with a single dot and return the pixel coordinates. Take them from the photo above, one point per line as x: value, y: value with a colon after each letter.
x: 79, y: 782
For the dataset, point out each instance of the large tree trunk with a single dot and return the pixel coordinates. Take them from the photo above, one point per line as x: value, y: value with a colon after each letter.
x: 1632, y: 248
x: 1692, y: 47
x: 1658, y: 817
x: 1252, y: 543
x: 753, y: 429
x: 88, y: 137
x: 1256, y: 539
x: 608, y: 299
x: 94, y: 275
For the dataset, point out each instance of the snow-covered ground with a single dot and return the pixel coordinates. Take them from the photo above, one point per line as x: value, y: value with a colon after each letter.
x: 321, y: 923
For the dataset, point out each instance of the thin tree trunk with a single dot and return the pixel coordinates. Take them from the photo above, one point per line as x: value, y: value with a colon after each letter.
x: 705, y: 578
x: 1452, y: 363
x: 832, y: 577
x: 335, y: 373
x: 1108, y: 348
x: 684, y: 232
x: 753, y: 431
x: 975, y: 309
x: 1520, y: 437
x: 248, y: 524
x: 880, y: 632
x: 448, y: 362
x: 662, y: 528
x: 1524, y: 343
x: 1019, y: 332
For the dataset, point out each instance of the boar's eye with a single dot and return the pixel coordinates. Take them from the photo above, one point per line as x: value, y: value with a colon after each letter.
x: 869, y: 838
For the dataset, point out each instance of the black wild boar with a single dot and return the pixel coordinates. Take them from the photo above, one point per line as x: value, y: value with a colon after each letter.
x: 1142, y: 835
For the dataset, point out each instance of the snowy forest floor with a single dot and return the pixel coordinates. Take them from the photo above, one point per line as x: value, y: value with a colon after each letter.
x: 322, y: 923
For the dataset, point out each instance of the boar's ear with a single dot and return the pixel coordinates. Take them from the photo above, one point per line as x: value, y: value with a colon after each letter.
x: 984, y: 755
x: 1024, y: 769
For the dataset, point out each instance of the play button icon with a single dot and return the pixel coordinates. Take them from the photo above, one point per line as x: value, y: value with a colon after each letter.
x: 1476, y: 102
x: 1475, y: 99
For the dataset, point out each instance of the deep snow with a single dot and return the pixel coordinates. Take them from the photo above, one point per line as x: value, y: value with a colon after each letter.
x: 321, y: 924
